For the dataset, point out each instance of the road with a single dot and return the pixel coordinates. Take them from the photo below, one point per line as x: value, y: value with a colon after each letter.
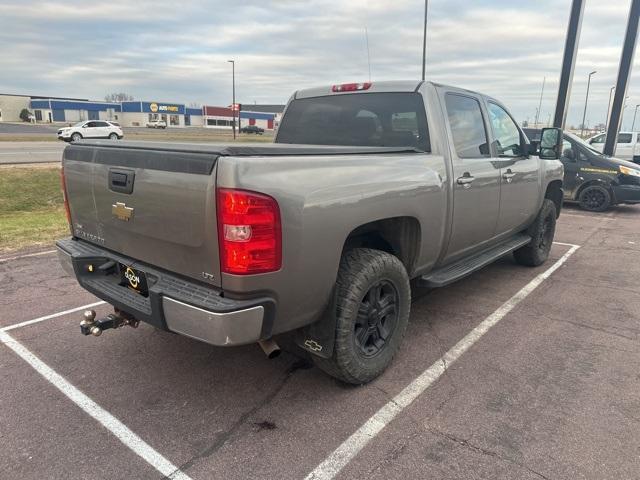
x: 30, y: 152
x: 531, y: 373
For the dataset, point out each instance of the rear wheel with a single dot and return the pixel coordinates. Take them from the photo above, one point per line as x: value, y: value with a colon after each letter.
x: 373, y: 304
x: 542, y: 231
x: 595, y: 198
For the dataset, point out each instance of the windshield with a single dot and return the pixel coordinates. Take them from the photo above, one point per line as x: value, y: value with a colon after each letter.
x: 365, y: 119
x: 581, y: 142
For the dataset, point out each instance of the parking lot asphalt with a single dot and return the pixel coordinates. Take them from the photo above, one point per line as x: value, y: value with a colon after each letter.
x: 550, y: 391
x: 31, y: 152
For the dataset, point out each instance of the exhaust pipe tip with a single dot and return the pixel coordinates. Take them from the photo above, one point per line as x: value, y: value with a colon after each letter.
x: 270, y: 348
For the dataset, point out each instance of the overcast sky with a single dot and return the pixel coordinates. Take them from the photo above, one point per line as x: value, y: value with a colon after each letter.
x: 177, y: 51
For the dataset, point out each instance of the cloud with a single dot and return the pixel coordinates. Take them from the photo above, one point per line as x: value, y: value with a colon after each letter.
x: 178, y: 51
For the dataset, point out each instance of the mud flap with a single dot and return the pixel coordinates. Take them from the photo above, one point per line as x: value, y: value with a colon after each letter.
x: 319, y: 338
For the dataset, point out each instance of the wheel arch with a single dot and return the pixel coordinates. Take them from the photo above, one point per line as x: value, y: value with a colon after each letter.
x: 399, y: 236
x: 599, y: 182
x: 555, y: 194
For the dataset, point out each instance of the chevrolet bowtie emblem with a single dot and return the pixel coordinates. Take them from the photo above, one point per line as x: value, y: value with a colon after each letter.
x: 121, y: 211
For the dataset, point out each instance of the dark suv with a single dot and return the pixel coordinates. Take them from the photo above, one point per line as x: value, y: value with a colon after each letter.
x: 593, y: 179
x: 252, y: 129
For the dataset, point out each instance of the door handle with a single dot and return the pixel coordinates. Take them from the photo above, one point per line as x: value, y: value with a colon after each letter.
x: 465, y: 180
x: 508, y: 175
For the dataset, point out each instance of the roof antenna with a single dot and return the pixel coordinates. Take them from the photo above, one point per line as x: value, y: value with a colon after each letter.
x: 366, y: 38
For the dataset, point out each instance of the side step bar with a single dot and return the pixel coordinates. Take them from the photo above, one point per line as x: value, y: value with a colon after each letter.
x: 451, y: 273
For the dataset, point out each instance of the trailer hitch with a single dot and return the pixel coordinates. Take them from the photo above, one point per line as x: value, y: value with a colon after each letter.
x: 90, y: 326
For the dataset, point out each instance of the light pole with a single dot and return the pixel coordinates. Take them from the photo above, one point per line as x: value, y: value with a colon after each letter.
x: 584, y: 115
x: 606, y: 120
x: 233, y: 105
x: 544, y: 79
x: 634, y: 118
x: 424, y: 40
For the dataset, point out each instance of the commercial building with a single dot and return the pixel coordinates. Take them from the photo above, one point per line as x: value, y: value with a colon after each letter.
x: 139, y: 114
x: 11, y: 106
x: 50, y: 110
x: 218, y: 117
x: 193, y: 117
x: 264, y: 116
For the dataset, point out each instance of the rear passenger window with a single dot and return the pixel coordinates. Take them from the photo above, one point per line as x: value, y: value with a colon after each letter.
x: 624, y: 138
x: 467, y: 126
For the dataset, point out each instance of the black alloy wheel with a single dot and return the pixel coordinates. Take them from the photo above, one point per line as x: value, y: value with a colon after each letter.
x: 377, y: 319
x: 595, y: 198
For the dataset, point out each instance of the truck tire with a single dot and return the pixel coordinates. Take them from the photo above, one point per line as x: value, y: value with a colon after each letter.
x: 541, y: 232
x: 595, y: 198
x: 373, y: 301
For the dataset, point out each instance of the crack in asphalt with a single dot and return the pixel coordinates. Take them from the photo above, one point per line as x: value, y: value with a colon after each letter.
x: 467, y: 444
x: 603, y: 330
x: 221, y: 440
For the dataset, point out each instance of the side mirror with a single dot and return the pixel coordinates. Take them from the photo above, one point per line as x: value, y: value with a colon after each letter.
x: 551, y: 143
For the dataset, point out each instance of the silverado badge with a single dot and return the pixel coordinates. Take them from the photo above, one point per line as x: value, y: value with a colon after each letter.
x: 121, y: 211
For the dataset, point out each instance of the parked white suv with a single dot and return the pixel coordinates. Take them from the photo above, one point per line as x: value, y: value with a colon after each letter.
x: 91, y: 129
x: 157, y: 124
x: 627, y: 147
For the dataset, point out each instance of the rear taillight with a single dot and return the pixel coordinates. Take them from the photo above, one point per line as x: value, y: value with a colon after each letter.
x: 351, y: 87
x: 249, y: 232
x: 65, y: 198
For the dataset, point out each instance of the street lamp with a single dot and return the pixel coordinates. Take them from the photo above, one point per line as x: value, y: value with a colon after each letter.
x: 606, y: 120
x: 233, y: 105
x: 634, y: 118
x: 584, y: 115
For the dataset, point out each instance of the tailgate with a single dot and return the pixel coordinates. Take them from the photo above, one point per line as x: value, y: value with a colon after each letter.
x: 152, y: 205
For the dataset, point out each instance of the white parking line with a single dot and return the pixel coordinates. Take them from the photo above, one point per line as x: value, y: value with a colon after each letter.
x: 17, y: 257
x: 342, y: 455
x: 108, y: 421
x: 49, y: 317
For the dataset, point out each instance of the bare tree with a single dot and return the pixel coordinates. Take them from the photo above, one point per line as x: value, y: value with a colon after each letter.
x: 118, y: 97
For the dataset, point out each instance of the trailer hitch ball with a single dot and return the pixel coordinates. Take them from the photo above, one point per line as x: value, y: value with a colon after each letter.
x: 96, y: 331
x: 88, y: 317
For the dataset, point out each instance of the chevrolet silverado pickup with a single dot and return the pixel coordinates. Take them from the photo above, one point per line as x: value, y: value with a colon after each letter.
x: 366, y: 188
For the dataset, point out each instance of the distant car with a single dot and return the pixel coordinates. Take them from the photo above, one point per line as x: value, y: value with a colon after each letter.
x: 91, y: 129
x: 252, y: 129
x: 627, y: 148
x: 157, y: 124
x: 592, y: 179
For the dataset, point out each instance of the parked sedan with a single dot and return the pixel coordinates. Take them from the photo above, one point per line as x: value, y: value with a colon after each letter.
x: 252, y: 129
x: 91, y: 129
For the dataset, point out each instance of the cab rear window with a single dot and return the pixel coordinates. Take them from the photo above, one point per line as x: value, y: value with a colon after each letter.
x: 366, y: 119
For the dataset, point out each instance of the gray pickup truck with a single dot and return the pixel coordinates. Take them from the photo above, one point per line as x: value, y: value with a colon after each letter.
x: 367, y: 187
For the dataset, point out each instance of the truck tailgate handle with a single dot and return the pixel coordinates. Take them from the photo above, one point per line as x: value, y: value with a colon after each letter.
x: 121, y: 180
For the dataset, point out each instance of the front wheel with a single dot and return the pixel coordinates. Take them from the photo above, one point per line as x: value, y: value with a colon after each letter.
x: 373, y: 300
x: 595, y: 198
x: 75, y: 137
x: 113, y: 136
x: 542, y: 231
